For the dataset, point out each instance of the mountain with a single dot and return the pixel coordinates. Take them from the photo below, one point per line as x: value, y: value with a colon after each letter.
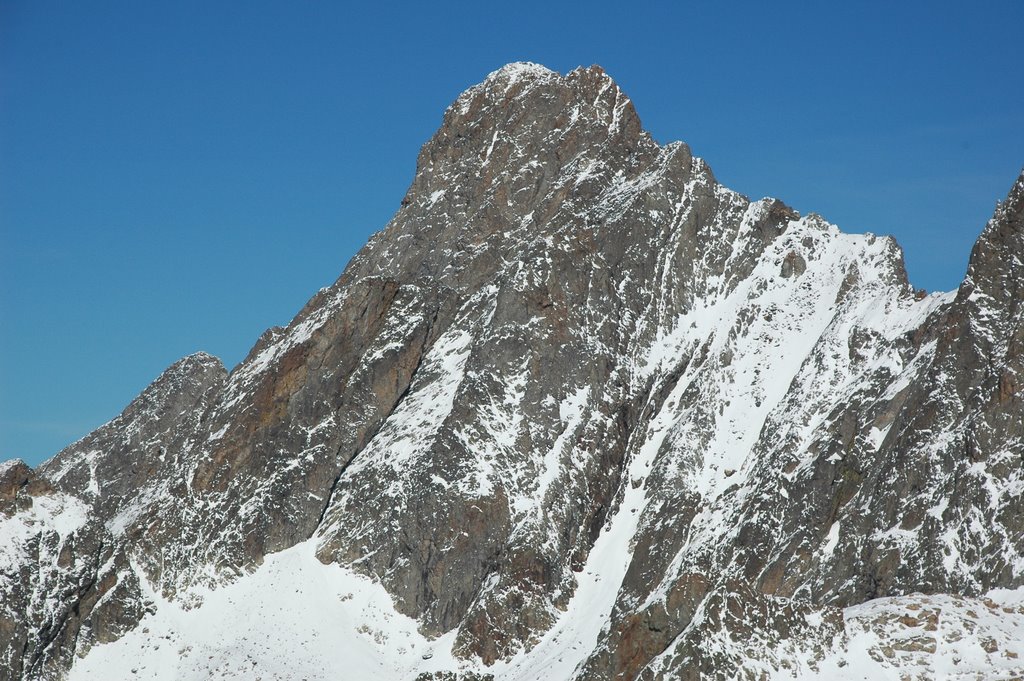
x: 577, y: 412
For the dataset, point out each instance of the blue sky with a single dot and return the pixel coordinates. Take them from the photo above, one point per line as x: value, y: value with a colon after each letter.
x: 180, y: 176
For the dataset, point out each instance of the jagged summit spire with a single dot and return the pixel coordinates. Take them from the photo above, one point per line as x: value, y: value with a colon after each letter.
x: 509, y: 153
x: 517, y: 79
x: 519, y: 69
x: 524, y: 116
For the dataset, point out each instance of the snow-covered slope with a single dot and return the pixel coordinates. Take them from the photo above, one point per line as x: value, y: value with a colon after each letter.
x: 578, y: 411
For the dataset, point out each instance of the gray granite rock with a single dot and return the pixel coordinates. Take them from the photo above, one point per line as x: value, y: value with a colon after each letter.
x: 572, y: 352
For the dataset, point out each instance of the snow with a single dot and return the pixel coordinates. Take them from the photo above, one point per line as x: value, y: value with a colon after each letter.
x: 133, y: 509
x: 296, y: 618
x: 293, y: 618
x: 64, y: 514
x: 831, y: 540
x: 410, y: 431
x: 9, y: 464
x: 54, y: 512
x: 521, y: 69
x: 877, y: 436
x: 32, y: 544
x: 929, y: 637
x: 571, y: 412
x: 404, y: 441
x: 575, y: 633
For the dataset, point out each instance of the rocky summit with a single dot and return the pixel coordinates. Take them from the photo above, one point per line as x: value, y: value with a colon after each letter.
x: 577, y: 412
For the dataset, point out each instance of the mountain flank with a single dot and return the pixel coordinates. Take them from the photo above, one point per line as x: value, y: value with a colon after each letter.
x: 577, y: 412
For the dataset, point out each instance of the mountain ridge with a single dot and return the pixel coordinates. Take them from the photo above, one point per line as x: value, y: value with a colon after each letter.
x: 573, y: 380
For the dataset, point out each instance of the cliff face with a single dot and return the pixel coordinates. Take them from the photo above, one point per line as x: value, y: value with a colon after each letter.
x: 581, y: 412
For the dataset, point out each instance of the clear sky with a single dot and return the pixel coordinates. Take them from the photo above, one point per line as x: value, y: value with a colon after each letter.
x: 179, y: 176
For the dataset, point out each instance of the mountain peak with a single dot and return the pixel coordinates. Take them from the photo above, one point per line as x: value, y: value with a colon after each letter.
x: 587, y: 92
x: 532, y: 74
x: 521, y: 69
x: 580, y: 412
x: 508, y: 154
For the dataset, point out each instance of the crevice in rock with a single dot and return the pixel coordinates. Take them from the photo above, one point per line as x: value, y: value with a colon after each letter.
x: 372, y: 433
x: 49, y: 634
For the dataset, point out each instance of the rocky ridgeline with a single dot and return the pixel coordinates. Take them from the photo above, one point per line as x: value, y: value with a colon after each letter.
x: 584, y: 413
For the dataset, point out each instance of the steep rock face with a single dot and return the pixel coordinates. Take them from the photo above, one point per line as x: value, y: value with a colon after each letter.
x: 892, y: 466
x: 66, y: 577
x: 143, y: 444
x: 582, y: 411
